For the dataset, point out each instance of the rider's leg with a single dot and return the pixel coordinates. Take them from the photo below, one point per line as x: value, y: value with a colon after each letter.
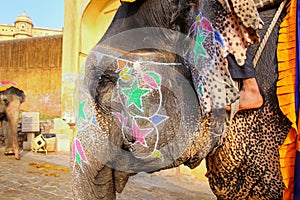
x: 250, y: 96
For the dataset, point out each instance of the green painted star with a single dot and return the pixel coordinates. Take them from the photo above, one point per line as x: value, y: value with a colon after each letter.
x: 201, y: 89
x: 135, y: 95
x: 81, y: 113
x: 199, y: 49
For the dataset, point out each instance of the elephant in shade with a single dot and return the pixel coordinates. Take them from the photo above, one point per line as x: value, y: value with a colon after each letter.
x: 153, y: 92
x: 11, y: 99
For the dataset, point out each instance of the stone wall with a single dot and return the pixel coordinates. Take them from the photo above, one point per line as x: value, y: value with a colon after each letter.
x: 36, y: 65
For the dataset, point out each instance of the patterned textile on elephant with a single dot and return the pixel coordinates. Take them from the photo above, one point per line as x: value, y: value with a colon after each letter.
x: 238, y: 29
x: 245, y: 11
x: 266, y: 3
x: 216, y: 38
x: 4, y: 85
x: 211, y: 77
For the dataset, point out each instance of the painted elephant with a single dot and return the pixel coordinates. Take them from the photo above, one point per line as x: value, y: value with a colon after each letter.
x: 141, y: 107
x: 11, y: 99
x: 245, y: 163
x: 153, y: 92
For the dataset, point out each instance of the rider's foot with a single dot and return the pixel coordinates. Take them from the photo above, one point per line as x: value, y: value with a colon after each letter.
x: 250, y: 100
x: 250, y: 97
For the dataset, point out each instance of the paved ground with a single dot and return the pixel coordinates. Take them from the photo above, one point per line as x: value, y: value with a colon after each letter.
x: 36, y: 176
x: 41, y: 177
x: 161, y: 186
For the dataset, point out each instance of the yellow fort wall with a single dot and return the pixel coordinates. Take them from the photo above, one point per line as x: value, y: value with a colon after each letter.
x: 35, y: 64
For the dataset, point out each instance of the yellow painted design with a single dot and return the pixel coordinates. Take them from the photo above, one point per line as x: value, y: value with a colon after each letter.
x: 6, y: 86
x: 123, y: 72
x: 157, y: 154
x: 126, y: 77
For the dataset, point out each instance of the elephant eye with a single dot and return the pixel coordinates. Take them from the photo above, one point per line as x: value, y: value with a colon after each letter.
x: 6, y: 101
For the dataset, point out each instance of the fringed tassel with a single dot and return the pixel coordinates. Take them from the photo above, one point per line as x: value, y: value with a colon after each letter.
x: 286, y: 86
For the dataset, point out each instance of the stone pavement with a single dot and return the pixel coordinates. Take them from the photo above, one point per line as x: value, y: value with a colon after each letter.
x: 165, y: 186
x: 36, y: 176
x: 41, y: 177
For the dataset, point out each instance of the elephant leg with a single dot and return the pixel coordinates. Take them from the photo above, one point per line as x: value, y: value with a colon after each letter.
x: 120, y: 179
x: 9, y: 150
x: 12, y: 113
x: 94, y: 184
x: 105, y: 182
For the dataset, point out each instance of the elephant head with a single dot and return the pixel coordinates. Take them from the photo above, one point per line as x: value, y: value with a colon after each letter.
x: 3, y: 105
